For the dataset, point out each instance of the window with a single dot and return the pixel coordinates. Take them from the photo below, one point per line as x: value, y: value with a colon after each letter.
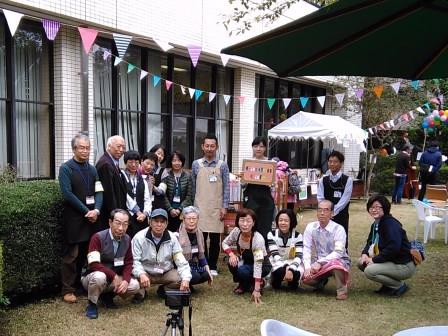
x: 3, y: 126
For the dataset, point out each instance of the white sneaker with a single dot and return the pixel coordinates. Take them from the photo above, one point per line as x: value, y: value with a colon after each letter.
x: 214, y: 272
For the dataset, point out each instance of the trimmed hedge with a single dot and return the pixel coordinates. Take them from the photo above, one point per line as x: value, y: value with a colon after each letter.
x: 30, y: 216
x: 3, y: 300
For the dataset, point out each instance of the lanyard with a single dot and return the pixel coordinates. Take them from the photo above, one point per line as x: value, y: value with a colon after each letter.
x: 86, y: 179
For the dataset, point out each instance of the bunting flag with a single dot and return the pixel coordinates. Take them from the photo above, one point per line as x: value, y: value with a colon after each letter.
x: 381, y: 126
x: 195, y: 52
x: 405, y: 117
x: 226, y: 98
x: 117, y: 61
x: 271, y: 102
x: 130, y: 67
x: 88, y: 36
x: 155, y: 80
x: 168, y: 84
x: 241, y: 99
x: 106, y: 54
x: 95, y: 48
x: 378, y: 90
x: 165, y: 46
x: 286, y: 102
x: 51, y: 28
x: 392, y: 123
x: 321, y: 100
x: 251, y: 100
x: 13, y: 19
x: 359, y: 93
x: 371, y: 131
x: 197, y: 94
x: 426, y: 106
x: 411, y: 114
x: 182, y: 88
x: 441, y: 98
x: 211, y: 96
x: 191, y: 90
x: 420, y: 110
x: 303, y: 101
x: 224, y: 59
x: 143, y: 74
x: 396, y: 86
x: 340, y: 98
x: 415, y: 84
x: 122, y: 43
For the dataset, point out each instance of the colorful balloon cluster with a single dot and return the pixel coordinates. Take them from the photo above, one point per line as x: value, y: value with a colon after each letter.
x: 434, y: 120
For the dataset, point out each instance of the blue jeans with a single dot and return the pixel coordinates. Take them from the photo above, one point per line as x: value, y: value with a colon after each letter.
x: 398, y: 189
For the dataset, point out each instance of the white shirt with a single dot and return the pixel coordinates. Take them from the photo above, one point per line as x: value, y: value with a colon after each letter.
x: 343, y: 201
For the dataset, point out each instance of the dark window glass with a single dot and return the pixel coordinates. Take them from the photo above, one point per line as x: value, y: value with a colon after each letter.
x: 204, y: 83
x: 181, y: 76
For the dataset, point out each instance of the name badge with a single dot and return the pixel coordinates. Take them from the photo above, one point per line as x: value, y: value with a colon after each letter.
x: 90, y: 200
x: 176, y: 199
x: 337, y: 194
x: 158, y: 270
x: 194, y: 249
x: 212, y: 178
x: 240, y: 262
x: 118, y: 261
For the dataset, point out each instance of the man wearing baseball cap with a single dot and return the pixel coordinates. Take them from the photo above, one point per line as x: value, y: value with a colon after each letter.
x: 155, y: 251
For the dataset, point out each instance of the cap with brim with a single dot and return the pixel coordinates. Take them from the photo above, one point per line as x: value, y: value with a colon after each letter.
x: 159, y: 212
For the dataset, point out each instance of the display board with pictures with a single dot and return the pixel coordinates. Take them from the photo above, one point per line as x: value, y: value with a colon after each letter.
x: 259, y: 171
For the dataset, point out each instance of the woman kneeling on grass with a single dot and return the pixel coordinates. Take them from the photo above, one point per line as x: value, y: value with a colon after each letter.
x: 246, y: 263
x: 286, y: 249
x: 386, y: 258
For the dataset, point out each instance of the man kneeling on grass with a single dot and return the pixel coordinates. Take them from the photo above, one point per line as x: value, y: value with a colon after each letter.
x: 156, y: 251
x: 109, y: 264
x: 327, y: 239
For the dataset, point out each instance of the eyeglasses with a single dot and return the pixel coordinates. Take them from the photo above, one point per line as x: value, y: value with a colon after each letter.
x: 118, y: 223
x: 376, y: 208
x: 192, y: 218
x: 245, y: 220
x: 323, y: 210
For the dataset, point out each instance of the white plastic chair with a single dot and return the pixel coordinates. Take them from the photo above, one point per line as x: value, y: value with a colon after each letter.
x: 424, y: 214
x: 278, y: 328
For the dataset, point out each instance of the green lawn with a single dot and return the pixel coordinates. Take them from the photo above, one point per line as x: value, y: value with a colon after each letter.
x: 218, y: 312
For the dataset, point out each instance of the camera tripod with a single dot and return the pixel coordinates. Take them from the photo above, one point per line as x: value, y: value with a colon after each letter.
x: 175, y: 320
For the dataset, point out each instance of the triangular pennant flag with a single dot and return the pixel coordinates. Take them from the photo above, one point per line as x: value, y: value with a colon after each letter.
x: 106, y: 54
x: 241, y: 99
x: 195, y: 52
x: 251, y: 101
x: 88, y: 36
x: 271, y: 102
x: 378, y: 90
x: 441, y: 98
x: 143, y: 74
x: 226, y: 98
x: 155, y: 80
x: 286, y: 102
x: 95, y: 48
x: 117, y: 61
x: 211, y: 96
x: 426, y: 106
x: 321, y: 100
x: 420, y: 110
x: 191, y: 90
x: 415, y: 84
x: 224, y: 59
x: 340, y: 98
x: 51, y: 28
x: 303, y: 101
x: 168, y: 84
x: 197, y: 94
x: 405, y: 117
x: 411, y: 114
x: 392, y: 123
x: 122, y: 43
x: 359, y: 93
x: 13, y: 19
x: 371, y: 131
x: 182, y: 88
x: 396, y: 86
x: 130, y: 67
x: 165, y: 46
x: 381, y: 126
x: 386, y: 123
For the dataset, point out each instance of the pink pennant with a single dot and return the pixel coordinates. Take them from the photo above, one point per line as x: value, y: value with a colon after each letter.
x: 51, y: 28
x: 168, y: 84
x: 106, y: 54
x: 195, y: 52
x: 241, y: 99
x: 88, y: 37
x: 359, y: 93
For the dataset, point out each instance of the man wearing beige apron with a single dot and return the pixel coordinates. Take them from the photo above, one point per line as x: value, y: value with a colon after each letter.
x: 211, y: 189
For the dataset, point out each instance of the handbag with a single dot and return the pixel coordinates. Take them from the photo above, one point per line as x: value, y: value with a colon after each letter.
x: 417, y: 252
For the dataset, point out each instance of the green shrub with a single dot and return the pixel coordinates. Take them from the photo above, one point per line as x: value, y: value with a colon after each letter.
x: 443, y: 175
x: 30, y: 215
x: 3, y: 300
x: 383, y: 179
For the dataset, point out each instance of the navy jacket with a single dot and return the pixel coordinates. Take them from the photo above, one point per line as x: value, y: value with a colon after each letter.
x: 433, y: 157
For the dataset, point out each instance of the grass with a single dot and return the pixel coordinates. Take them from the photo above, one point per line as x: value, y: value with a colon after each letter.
x: 218, y: 312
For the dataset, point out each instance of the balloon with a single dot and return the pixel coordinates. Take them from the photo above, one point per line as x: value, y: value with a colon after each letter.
x: 425, y: 124
x: 437, y: 122
x: 431, y: 123
x: 443, y: 118
x: 441, y: 113
x: 436, y: 118
x: 445, y: 112
x: 430, y: 130
x: 435, y: 112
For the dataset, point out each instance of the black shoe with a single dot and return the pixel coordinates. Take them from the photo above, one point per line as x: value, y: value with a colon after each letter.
x: 138, y: 298
x: 108, y: 300
x: 319, y: 287
x: 384, y: 290
x: 161, y: 292
x: 401, y: 290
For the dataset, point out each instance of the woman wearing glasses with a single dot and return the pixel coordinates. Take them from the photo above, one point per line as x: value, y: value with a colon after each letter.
x: 246, y: 261
x: 386, y: 258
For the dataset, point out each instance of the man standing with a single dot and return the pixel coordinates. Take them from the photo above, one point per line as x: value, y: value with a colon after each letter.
x: 337, y: 188
x: 212, y: 193
x: 109, y: 264
x: 327, y: 239
x: 109, y: 173
x: 156, y: 252
x: 83, y: 198
x: 402, y: 165
x: 430, y: 163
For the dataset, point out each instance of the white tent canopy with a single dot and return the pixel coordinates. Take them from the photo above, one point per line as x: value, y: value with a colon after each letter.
x: 304, y: 125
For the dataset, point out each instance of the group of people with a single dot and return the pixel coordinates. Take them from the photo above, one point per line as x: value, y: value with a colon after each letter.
x: 145, y: 225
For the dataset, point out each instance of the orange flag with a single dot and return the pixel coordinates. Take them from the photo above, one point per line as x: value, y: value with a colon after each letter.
x: 378, y: 90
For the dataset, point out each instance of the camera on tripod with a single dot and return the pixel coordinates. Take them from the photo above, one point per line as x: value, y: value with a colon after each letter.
x: 177, y: 299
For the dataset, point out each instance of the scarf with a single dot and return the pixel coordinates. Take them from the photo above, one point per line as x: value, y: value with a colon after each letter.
x: 186, y: 245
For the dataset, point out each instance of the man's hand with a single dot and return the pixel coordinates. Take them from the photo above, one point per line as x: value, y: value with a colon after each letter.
x: 141, y: 216
x: 315, y: 267
x: 122, y: 287
x: 92, y: 216
x: 256, y: 296
x: 222, y: 213
x: 307, y: 273
x: 364, y: 259
x: 174, y: 212
x: 144, y: 280
x: 233, y: 260
x: 184, y: 285
x: 288, y: 275
x: 152, y: 180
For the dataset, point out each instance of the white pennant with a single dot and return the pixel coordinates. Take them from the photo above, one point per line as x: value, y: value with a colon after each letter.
x: 224, y: 59
x: 286, y: 102
x: 321, y: 100
x: 143, y: 74
x: 211, y: 96
x: 371, y: 131
x: 420, y: 110
x: 182, y: 88
x: 396, y: 86
x: 165, y: 46
x: 95, y: 48
x: 226, y: 98
x: 251, y: 100
x: 387, y: 124
x: 191, y: 92
x: 13, y: 19
x: 392, y: 123
x: 122, y: 43
x: 117, y: 61
x: 340, y: 98
x: 411, y: 114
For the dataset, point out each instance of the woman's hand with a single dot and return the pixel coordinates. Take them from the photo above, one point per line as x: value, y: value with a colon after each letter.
x: 256, y: 296
x: 315, y: 267
x: 364, y: 259
x: 233, y: 260
x: 210, y: 276
x: 288, y: 275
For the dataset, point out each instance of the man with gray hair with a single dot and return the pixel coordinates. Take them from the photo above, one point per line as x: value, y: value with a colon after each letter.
x: 83, y: 198
x: 110, y: 176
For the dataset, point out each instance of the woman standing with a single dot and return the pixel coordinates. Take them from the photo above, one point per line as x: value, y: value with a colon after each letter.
x: 159, y: 174
x: 259, y: 197
x: 386, y: 258
x: 178, y: 190
x: 246, y: 263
